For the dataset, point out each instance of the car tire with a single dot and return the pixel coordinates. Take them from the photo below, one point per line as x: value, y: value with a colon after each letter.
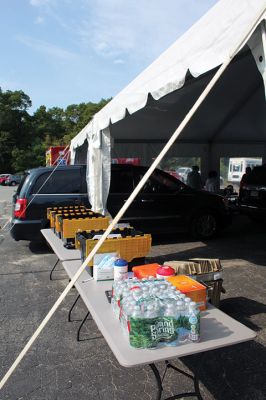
x: 13, y: 183
x: 204, y: 225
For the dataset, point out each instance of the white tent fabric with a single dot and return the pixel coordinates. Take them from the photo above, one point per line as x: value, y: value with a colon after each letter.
x: 99, y: 169
x: 201, y: 49
x: 257, y: 44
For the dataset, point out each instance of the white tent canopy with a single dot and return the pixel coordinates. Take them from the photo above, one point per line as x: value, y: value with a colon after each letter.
x: 232, y: 118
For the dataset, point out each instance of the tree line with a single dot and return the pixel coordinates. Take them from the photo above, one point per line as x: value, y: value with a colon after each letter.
x: 24, y: 138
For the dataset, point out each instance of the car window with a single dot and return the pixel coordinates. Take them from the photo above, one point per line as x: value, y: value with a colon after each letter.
x: 23, y: 178
x: 67, y: 181
x: 121, y: 181
x: 160, y: 183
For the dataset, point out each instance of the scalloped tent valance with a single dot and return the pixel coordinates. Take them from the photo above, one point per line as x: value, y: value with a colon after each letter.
x: 151, y: 107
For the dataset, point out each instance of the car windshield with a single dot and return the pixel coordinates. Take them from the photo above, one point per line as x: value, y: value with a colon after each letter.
x: 160, y: 182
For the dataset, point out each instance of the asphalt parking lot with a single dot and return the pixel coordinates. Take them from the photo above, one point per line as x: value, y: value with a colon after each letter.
x: 59, y: 368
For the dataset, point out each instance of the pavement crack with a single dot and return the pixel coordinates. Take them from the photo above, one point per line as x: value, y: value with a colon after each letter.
x: 26, y: 272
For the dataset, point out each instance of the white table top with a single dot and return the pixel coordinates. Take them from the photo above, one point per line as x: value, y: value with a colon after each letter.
x: 58, y: 246
x: 217, y: 328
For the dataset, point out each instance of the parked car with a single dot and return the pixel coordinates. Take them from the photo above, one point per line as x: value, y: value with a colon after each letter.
x: 183, y: 172
x: 252, y: 194
x: 3, y: 178
x: 164, y: 204
x: 13, y: 180
x: 175, y: 174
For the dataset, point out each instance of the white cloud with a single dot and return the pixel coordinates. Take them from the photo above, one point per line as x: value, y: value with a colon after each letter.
x: 47, y: 48
x: 39, y: 3
x: 39, y: 20
x: 119, y: 61
x: 125, y: 29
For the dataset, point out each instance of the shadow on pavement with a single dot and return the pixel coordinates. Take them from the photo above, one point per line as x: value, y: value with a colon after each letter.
x: 243, y: 240
x: 242, y: 309
x: 234, y: 372
x: 40, y: 248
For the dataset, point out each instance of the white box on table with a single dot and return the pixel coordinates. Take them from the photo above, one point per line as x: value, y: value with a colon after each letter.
x: 103, y: 273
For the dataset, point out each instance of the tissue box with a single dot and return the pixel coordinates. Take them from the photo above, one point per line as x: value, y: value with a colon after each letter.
x: 191, y: 288
x: 102, y: 273
x: 143, y: 271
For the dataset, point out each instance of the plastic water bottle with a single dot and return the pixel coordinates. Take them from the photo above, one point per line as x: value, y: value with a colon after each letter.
x: 151, y: 311
x: 136, y: 312
x: 125, y: 315
x: 187, y: 301
x: 118, y: 288
x: 146, y: 291
x: 170, y: 310
x: 137, y: 294
x: 181, y: 314
x: 194, y: 321
x: 172, y: 292
x: 154, y: 291
x: 182, y: 296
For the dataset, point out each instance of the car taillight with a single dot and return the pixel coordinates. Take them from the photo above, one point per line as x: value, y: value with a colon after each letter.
x: 20, y: 208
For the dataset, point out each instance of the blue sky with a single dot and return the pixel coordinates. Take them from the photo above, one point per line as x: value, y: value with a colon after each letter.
x: 62, y: 52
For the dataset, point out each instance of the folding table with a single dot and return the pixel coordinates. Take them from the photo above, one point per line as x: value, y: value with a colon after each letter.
x: 57, y: 246
x: 217, y: 330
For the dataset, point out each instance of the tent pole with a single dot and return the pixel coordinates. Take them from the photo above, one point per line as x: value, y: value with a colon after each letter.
x: 132, y: 196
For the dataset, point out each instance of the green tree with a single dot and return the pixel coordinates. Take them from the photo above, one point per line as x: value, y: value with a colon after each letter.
x: 24, y: 139
x: 77, y: 116
x: 15, y: 125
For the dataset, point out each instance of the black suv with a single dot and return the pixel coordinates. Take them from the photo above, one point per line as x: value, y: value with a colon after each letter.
x: 252, y: 194
x: 164, y: 204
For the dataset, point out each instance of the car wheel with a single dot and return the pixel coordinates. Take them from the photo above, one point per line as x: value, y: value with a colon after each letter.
x: 13, y: 183
x: 204, y: 226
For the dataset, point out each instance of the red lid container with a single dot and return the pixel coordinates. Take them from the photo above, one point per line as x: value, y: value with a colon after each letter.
x: 164, y: 271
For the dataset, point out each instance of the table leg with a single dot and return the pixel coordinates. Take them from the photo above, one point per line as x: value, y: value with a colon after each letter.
x: 71, y: 309
x: 82, y: 323
x: 196, y: 393
x: 158, y: 380
x: 51, y: 273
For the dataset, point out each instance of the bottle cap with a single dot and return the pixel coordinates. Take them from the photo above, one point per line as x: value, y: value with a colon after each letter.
x: 120, y: 262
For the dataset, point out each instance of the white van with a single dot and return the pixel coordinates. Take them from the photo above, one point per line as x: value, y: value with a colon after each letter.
x: 237, y: 167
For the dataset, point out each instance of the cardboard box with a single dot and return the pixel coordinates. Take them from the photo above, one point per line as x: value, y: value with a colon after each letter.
x: 191, y: 288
